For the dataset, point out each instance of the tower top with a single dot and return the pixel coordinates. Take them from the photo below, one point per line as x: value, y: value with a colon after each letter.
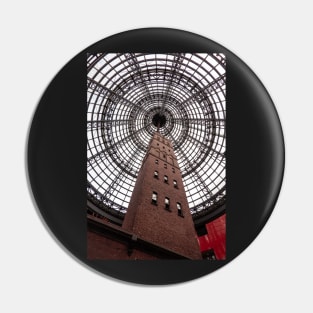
x: 159, y: 120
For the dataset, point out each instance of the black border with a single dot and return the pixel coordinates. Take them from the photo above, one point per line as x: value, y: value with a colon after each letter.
x: 56, y: 155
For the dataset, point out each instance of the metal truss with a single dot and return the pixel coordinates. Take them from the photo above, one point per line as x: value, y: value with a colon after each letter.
x: 125, y: 92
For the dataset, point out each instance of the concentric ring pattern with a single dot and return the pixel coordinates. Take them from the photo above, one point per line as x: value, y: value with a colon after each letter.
x: 128, y: 96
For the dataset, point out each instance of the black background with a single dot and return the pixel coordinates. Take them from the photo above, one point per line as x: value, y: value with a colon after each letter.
x: 57, y: 155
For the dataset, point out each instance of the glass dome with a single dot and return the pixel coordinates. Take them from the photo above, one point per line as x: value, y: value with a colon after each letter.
x: 129, y: 96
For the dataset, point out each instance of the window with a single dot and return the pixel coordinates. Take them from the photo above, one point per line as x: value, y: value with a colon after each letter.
x: 173, y: 169
x: 165, y: 179
x: 209, y: 255
x: 175, y: 183
x: 156, y: 161
x: 156, y: 174
x: 164, y: 156
x: 170, y: 160
x: 154, y: 197
x: 165, y: 165
x: 179, y: 210
x: 167, y: 203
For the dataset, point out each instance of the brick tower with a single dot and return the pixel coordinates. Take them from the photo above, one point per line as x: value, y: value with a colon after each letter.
x: 158, y: 211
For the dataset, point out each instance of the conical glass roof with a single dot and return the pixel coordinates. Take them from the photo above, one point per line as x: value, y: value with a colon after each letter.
x: 128, y: 96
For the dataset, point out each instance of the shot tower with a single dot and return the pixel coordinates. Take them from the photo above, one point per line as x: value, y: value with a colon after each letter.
x: 158, y: 210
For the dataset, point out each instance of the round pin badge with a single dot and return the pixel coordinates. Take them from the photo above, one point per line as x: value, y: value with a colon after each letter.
x: 127, y: 156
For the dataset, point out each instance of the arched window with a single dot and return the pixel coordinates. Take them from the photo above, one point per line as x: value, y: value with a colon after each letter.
x: 167, y: 203
x: 179, y: 210
x: 154, y: 197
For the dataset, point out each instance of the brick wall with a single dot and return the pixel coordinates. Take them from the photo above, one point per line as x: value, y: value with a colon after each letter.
x: 102, y: 248
x: 153, y: 222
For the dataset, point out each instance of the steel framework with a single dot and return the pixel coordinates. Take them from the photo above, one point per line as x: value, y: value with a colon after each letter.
x: 129, y: 96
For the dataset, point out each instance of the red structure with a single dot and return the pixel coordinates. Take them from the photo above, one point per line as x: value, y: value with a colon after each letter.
x: 213, y: 244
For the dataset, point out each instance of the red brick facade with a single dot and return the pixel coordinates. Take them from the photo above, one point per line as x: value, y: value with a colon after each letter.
x: 170, y: 228
x: 110, y: 242
x: 151, y: 229
x: 114, y: 249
